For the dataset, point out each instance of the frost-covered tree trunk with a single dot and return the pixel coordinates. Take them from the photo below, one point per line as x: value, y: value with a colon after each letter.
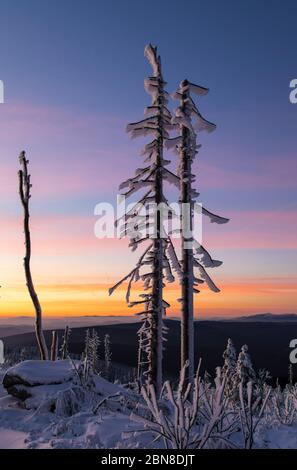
x: 54, y: 346
x: 187, y: 120
x: 157, y: 279
x: 187, y: 314
x: 65, y: 344
x: 159, y: 257
x: 24, y: 191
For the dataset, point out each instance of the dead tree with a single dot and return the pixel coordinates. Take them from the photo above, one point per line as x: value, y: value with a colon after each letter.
x: 159, y: 257
x: 24, y: 191
x: 54, y: 346
x: 65, y: 343
x: 187, y: 121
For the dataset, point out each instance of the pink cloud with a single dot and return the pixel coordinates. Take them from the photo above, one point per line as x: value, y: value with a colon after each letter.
x: 277, y: 173
x: 68, y: 154
x: 57, y: 235
x: 255, y: 230
x: 71, y: 152
x: 73, y: 234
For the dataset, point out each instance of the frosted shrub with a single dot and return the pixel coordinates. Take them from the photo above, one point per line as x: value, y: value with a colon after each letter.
x: 83, y: 374
x: 190, y: 416
x: 229, y: 369
x: 248, y: 415
x: 91, y: 355
x: 244, y: 367
x: 69, y: 401
x: 284, y: 405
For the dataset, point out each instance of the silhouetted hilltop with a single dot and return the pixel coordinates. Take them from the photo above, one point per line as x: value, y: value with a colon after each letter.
x: 268, y: 343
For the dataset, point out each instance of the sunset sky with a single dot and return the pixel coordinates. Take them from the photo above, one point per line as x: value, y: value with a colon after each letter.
x: 73, y: 74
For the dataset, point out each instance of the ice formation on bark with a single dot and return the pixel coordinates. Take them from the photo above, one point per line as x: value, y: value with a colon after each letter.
x: 158, y: 263
x: 187, y: 121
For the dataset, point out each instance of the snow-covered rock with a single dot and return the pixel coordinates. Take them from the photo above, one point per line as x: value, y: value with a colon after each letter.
x: 41, y: 396
x: 20, y: 379
x: 49, y: 386
x: 2, y: 389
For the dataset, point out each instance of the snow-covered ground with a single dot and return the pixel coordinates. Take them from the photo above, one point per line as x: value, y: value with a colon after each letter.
x: 109, y: 427
x: 31, y: 424
x: 26, y: 429
x: 10, y: 439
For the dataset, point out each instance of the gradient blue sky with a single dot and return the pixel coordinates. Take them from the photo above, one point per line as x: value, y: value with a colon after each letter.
x: 73, y: 72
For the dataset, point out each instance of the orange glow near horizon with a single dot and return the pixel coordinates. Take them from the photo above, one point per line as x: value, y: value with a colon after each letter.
x: 73, y: 270
x: 93, y: 299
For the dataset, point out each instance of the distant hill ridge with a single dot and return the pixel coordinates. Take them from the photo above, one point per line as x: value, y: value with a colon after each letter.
x: 268, y: 338
x: 19, y: 325
x: 267, y: 317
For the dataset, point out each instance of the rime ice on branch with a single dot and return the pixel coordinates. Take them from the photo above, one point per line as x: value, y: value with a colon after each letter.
x: 187, y: 121
x: 158, y: 263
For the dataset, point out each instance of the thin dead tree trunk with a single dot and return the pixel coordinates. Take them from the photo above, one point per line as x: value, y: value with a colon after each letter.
x: 24, y: 191
x: 64, y: 348
x: 54, y: 347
